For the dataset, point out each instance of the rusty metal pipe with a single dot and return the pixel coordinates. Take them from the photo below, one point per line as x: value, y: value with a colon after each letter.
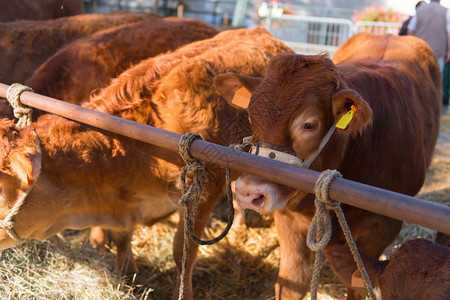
x: 433, y: 215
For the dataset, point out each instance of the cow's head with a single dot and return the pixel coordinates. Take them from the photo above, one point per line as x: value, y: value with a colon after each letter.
x: 72, y: 178
x: 20, y: 165
x: 291, y: 109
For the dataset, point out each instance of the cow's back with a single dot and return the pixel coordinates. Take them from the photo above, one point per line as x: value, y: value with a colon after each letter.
x: 72, y: 73
x: 27, y: 44
x: 39, y: 9
x: 247, y: 52
x: 400, y: 79
x: 179, y: 85
x: 407, y: 53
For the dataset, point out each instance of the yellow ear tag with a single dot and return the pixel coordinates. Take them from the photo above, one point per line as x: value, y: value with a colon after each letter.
x: 357, y: 281
x: 345, y: 120
x: 242, y: 97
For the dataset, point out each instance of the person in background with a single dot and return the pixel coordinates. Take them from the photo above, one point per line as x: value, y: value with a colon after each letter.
x: 404, y: 29
x: 432, y: 24
x: 446, y: 83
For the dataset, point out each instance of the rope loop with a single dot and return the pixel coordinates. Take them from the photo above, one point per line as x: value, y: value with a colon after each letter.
x: 196, y: 169
x: 322, y: 187
x: 319, y: 233
x: 241, y: 146
x: 8, y: 226
x: 21, y: 112
x: 185, y: 147
x: 8, y: 223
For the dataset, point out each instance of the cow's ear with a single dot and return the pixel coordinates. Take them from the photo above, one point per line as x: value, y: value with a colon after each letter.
x: 236, y: 89
x: 25, y: 161
x: 26, y: 167
x: 351, y: 110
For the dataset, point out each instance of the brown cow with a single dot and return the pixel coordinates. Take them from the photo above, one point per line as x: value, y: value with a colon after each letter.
x: 93, y: 178
x: 392, y: 86
x: 39, y: 9
x: 25, y: 45
x: 73, y: 72
x: 78, y: 68
x: 419, y: 269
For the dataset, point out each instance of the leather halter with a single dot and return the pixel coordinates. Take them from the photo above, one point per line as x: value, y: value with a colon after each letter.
x: 286, y: 154
x: 283, y: 154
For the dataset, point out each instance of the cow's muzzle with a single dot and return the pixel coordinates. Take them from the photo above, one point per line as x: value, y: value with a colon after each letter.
x: 264, y: 198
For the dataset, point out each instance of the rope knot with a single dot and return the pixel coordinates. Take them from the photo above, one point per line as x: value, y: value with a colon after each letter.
x: 21, y: 112
x: 194, y: 167
x: 241, y: 146
x: 191, y: 198
x: 185, y: 146
x: 322, y: 187
x: 319, y: 233
x: 7, y: 225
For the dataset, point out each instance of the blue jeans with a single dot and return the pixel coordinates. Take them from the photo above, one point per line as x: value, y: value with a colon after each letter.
x: 446, y: 83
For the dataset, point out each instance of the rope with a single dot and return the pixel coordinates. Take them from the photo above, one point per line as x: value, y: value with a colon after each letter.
x: 21, y: 112
x: 307, y: 163
x: 8, y: 223
x: 195, y: 168
x: 319, y: 233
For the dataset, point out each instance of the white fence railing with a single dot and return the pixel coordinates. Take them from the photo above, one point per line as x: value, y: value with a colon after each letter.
x: 312, y: 30
x: 377, y: 27
x: 311, y: 35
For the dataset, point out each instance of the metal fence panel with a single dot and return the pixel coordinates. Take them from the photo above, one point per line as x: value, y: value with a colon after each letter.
x: 312, y: 30
x: 377, y: 27
x: 312, y: 35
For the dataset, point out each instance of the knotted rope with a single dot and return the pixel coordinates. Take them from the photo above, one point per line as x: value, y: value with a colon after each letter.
x: 319, y: 233
x: 8, y: 224
x: 21, y: 112
x: 195, y: 168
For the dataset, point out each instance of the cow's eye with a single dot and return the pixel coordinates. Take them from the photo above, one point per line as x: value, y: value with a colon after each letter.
x: 309, y: 126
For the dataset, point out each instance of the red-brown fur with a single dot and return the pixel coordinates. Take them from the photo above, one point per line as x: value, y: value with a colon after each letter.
x: 90, y: 63
x: 25, y: 45
x: 39, y: 9
x: 90, y: 177
x: 84, y: 65
x: 419, y: 269
x: 388, y: 144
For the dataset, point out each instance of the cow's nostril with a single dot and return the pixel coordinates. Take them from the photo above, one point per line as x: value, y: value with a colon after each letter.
x: 258, y: 202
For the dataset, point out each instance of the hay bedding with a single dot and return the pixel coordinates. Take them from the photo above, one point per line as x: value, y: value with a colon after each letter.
x: 243, y: 266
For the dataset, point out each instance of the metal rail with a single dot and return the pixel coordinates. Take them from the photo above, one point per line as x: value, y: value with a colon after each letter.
x: 307, y: 29
x: 377, y: 27
x: 302, y: 32
x: 391, y: 204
